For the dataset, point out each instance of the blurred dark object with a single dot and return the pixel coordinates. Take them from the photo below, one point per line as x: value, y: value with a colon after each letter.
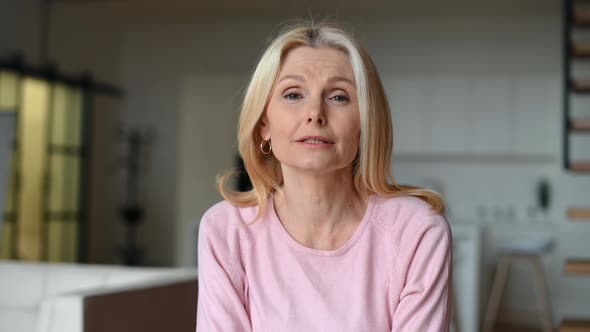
x: 544, y: 194
x: 132, y: 212
x: 244, y: 183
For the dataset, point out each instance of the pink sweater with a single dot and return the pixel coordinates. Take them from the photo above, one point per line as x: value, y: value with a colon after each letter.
x: 394, y: 273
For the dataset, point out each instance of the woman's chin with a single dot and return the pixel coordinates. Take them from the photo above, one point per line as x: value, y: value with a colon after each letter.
x: 315, y: 167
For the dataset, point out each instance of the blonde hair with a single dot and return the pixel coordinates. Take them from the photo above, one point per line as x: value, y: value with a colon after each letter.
x: 372, y: 166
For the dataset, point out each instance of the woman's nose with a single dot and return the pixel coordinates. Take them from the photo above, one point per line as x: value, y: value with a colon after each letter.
x: 317, y: 113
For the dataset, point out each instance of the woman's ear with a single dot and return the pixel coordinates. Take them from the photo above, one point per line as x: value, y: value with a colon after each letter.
x: 264, y: 127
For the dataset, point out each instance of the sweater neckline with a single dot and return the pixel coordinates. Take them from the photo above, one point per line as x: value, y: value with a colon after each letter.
x: 276, y: 222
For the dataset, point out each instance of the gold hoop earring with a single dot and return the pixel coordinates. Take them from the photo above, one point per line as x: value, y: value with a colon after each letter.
x: 262, y: 147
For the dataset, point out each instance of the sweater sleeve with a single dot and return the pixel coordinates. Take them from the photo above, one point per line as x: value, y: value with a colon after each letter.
x: 221, y: 304
x: 425, y: 301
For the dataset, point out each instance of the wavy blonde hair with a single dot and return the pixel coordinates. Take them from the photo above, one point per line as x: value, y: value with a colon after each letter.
x: 372, y: 165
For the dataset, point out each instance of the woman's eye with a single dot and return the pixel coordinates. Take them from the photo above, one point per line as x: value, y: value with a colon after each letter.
x: 340, y: 98
x: 292, y: 96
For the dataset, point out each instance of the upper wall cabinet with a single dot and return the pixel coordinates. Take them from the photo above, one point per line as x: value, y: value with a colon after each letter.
x: 485, y: 114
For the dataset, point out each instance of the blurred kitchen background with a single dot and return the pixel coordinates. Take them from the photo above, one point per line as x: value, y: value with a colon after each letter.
x: 148, y: 94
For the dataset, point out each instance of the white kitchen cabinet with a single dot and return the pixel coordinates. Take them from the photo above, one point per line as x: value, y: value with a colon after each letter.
x: 474, y: 114
x: 537, y: 121
x: 488, y: 123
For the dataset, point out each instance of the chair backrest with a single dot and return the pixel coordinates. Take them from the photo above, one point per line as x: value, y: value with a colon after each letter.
x: 7, y: 132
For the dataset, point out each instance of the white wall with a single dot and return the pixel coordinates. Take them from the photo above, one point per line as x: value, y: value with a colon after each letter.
x: 207, y: 146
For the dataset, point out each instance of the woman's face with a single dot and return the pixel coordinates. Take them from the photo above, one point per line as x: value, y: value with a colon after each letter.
x: 312, y: 117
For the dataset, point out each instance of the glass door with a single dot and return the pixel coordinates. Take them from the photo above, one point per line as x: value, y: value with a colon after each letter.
x: 42, y: 214
x: 9, y: 96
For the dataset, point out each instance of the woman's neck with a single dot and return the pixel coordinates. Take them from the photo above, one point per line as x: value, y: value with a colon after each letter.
x: 320, y: 210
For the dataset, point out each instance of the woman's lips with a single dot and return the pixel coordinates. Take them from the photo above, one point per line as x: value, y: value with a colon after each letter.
x: 315, y: 140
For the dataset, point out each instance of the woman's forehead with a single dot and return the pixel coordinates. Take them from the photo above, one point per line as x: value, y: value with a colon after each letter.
x: 308, y: 62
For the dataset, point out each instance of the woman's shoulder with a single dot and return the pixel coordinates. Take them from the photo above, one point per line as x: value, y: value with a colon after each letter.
x: 410, y: 223
x: 404, y: 214
x: 403, y: 204
x: 224, y: 220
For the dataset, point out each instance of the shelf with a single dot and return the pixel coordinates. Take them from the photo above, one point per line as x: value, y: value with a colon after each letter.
x: 570, y: 325
x: 582, y: 18
x: 580, y: 49
x: 580, y: 166
x: 580, y: 86
x: 580, y: 124
x: 578, y: 213
x: 577, y: 266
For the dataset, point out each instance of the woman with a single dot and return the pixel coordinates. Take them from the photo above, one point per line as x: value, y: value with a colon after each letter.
x: 325, y: 240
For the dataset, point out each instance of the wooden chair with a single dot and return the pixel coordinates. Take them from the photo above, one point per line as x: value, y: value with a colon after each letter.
x: 526, y: 251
